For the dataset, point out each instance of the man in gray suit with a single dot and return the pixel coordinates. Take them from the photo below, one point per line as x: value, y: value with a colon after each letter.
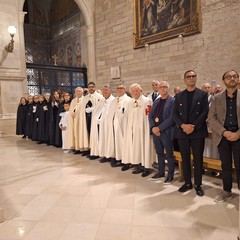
x: 224, y: 120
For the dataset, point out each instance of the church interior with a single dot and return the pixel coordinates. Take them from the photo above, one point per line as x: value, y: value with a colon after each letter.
x: 64, y: 44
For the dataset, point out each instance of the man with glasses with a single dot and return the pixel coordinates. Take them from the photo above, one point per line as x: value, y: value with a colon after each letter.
x: 224, y: 119
x: 115, y: 131
x: 190, y: 112
x: 161, y: 126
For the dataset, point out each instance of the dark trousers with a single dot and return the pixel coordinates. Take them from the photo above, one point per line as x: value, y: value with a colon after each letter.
x: 228, y: 151
x: 196, y: 146
x: 160, y: 143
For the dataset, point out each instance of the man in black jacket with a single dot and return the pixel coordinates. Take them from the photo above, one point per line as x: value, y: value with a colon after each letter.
x: 190, y: 112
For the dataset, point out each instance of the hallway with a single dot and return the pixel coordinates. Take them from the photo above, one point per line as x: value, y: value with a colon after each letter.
x: 48, y: 195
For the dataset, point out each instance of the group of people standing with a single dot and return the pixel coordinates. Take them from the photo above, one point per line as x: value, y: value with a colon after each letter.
x: 124, y: 130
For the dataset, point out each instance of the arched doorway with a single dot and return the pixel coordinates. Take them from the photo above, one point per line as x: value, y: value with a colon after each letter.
x: 69, y: 43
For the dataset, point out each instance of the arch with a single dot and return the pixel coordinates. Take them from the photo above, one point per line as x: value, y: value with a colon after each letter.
x: 86, y: 8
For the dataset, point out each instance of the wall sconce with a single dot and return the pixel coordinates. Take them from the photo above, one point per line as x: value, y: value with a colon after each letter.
x: 12, y: 30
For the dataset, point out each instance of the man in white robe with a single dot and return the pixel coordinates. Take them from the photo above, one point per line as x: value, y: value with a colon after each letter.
x: 115, y: 131
x: 138, y: 146
x: 98, y: 137
x: 73, y: 120
x: 88, y: 104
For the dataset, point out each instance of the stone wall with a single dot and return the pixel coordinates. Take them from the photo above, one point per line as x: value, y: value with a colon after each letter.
x: 210, y: 53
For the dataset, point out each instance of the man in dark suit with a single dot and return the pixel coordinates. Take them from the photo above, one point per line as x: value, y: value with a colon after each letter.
x: 161, y: 126
x: 224, y: 120
x: 190, y: 112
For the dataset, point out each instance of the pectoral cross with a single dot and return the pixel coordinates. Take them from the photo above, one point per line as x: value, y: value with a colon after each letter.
x: 54, y: 57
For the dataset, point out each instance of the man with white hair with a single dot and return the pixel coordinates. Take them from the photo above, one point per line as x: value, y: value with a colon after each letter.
x: 73, y: 120
x: 137, y: 141
x: 98, y: 138
x: 155, y: 94
x: 161, y: 126
x: 115, y: 118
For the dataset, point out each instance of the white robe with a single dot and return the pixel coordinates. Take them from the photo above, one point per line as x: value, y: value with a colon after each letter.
x: 115, y: 131
x: 98, y: 138
x: 64, y: 123
x: 73, y: 123
x: 84, y: 141
x: 138, y: 145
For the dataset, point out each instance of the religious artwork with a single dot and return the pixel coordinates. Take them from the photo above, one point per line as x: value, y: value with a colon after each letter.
x: 158, y: 20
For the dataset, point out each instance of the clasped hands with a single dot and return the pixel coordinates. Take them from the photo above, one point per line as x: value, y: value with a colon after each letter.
x: 187, y: 128
x: 231, y: 136
x: 156, y: 131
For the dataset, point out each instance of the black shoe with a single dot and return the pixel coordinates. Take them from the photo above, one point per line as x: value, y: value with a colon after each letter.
x: 113, y: 162
x: 77, y: 152
x: 138, y: 170
x: 125, y: 167
x: 93, y: 157
x: 85, y: 153
x: 23, y: 136
x: 40, y: 142
x: 145, y: 173
x: 104, y: 160
x: 185, y: 188
x: 199, y: 191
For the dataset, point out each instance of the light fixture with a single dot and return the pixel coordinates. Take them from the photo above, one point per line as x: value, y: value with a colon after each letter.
x: 10, y: 46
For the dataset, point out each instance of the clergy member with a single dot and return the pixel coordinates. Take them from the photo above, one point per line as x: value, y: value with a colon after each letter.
x: 73, y: 120
x: 137, y: 141
x: 89, y: 103
x: 99, y: 126
x: 117, y: 110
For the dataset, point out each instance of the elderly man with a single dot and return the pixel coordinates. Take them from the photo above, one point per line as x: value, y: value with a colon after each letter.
x: 155, y: 94
x: 224, y: 119
x: 137, y: 141
x: 89, y: 103
x: 207, y: 88
x: 117, y: 110
x: 190, y: 112
x: 161, y: 126
x: 73, y: 120
x: 98, y: 137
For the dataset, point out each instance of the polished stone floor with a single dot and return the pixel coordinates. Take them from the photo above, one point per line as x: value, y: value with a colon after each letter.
x: 48, y: 195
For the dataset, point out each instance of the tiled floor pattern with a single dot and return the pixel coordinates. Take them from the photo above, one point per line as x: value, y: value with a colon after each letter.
x: 48, y: 195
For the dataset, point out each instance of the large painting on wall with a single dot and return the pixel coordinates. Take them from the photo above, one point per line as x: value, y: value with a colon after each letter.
x: 158, y: 20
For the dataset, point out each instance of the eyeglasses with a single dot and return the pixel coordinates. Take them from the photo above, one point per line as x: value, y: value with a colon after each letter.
x: 119, y: 88
x: 190, y: 76
x: 163, y: 87
x: 228, y: 77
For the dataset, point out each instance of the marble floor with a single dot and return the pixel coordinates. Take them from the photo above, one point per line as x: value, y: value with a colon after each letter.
x: 48, y: 195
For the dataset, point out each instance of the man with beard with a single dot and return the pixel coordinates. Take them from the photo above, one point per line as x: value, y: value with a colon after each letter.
x: 89, y: 103
x: 190, y: 112
x: 224, y: 119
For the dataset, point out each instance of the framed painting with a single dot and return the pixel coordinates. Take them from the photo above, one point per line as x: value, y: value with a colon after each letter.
x: 159, y: 20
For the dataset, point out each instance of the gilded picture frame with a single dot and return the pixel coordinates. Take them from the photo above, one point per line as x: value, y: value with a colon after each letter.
x: 159, y: 20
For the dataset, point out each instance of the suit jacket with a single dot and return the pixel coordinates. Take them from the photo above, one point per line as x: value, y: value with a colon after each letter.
x: 151, y: 96
x: 217, y: 115
x: 198, y: 114
x: 167, y: 124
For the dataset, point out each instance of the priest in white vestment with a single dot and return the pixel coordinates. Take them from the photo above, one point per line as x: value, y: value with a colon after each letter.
x: 99, y: 125
x: 138, y: 145
x: 115, y: 131
x: 73, y: 120
x: 88, y: 104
